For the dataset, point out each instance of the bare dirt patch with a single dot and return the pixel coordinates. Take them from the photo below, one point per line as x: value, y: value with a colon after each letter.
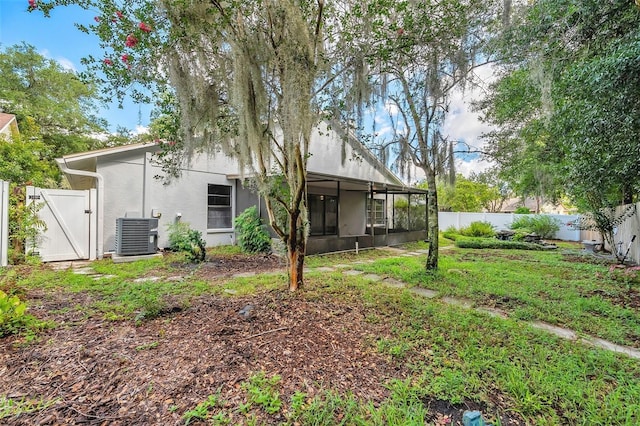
x: 225, y: 266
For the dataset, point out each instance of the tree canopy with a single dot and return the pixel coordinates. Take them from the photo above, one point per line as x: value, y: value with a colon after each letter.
x: 472, y: 194
x: 49, y: 102
x: 566, y: 106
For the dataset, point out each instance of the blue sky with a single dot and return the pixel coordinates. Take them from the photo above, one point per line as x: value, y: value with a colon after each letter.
x: 57, y: 38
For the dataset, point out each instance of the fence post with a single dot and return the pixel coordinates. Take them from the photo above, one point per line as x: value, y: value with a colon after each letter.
x: 4, y: 223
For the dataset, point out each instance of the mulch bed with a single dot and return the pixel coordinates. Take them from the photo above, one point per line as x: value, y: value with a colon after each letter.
x: 121, y: 373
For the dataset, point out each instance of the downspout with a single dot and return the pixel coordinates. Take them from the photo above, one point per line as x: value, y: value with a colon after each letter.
x: 100, y: 203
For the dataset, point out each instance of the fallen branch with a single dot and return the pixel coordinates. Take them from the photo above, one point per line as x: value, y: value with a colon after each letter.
x: 266, y: 332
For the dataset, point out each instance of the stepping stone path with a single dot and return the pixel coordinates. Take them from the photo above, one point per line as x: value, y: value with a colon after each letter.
x: 84, y: 268
x: 392, y: 282
x: 372, y: 277
x: 469, y: 304
x: 424, y: 292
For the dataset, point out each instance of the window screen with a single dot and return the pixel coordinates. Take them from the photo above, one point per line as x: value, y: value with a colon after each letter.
x: 219, y: 215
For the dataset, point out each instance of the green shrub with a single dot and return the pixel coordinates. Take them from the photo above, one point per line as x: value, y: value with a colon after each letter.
x: 451, y: 233
x: 253, y: 236
x: 492, y: 243
x: 543, y: 225
x: 478, y: 229
x: 14, y: 319
x: 12, y: 313
x: 522, y: 210
x: 186, y: 240
x: 25, y: 226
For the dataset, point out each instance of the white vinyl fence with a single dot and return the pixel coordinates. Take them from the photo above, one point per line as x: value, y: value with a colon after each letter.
x: 501, y: 221
x: 624, y: 233
x: 4, y: 222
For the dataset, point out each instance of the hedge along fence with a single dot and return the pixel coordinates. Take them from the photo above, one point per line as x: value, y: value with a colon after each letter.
x: 502, y: 221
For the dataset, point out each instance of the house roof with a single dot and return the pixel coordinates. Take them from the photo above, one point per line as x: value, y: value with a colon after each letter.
x: 72, y: 158
x: 6, y: 122
x: 88, y: 161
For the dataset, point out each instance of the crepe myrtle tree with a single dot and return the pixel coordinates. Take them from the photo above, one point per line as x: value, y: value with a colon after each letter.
x: 250, y: 79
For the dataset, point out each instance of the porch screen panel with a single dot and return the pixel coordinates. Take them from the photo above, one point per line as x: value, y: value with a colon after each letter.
x: 323, y: 214
x: 316, y: 214
x: 331, y: 215
x: 378, y: 211
x: 219, y: 213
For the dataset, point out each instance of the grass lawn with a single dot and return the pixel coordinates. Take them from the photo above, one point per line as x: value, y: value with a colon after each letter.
x: 560, y: 287
x: 447, y: 354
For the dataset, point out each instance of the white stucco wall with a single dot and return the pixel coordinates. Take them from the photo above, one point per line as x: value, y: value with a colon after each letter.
x: 130, y: 186
x: 326, y: 158
x: 353, y: 212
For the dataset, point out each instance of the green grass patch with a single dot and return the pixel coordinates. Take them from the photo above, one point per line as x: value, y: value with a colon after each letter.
x: 452, y: 354
x: 11, y: 407
x: 461, y: 355
x: 329, y: 259
x: 530, y: 285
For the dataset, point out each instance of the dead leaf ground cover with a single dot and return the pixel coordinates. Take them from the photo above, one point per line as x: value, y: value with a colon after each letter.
x: 341, y: 351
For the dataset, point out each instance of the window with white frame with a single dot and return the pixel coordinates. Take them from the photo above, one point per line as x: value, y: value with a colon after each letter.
x: 378, y: 211
x: 219, y: 211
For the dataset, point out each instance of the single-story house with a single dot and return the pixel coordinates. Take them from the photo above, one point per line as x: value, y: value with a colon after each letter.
x: 535, y: 205
x: 350, y: 202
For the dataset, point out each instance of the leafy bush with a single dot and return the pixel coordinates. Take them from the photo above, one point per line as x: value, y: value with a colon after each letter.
x: 12, y: 313
x: 25, y: 226
x: 186, y: 240
x: 253, y: 236
x: 451, y: 233
x: 492, y: 243
x: 13, y: 316
x: 410, y: 217
x: 543, y: 225
x: 522, y: 210
x: 478, y: 229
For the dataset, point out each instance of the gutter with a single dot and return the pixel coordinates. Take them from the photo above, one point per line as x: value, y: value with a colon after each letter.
x: 62, y: 163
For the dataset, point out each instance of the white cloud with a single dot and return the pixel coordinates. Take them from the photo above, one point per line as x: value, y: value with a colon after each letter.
x: 67, y: 64
x: 391, y: 108
x: 140, y: 130
x: 466, y: 167
x: 464, y: 125
x: 384, y: 130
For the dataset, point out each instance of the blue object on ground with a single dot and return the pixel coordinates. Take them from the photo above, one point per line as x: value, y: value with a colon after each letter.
x: 473, y: 418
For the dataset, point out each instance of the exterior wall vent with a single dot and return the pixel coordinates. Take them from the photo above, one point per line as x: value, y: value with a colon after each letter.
x: 136, y: 236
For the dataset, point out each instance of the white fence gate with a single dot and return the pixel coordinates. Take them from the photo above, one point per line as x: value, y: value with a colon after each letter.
x: 4, y: 222
x: 71, y: 228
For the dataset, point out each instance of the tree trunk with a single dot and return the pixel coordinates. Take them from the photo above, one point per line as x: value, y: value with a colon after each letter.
x: 433, y: 229
x: 296, y: 248
x: 296, y: 266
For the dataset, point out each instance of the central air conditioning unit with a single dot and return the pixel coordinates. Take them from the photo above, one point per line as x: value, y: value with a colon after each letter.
x: 136, y: 236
